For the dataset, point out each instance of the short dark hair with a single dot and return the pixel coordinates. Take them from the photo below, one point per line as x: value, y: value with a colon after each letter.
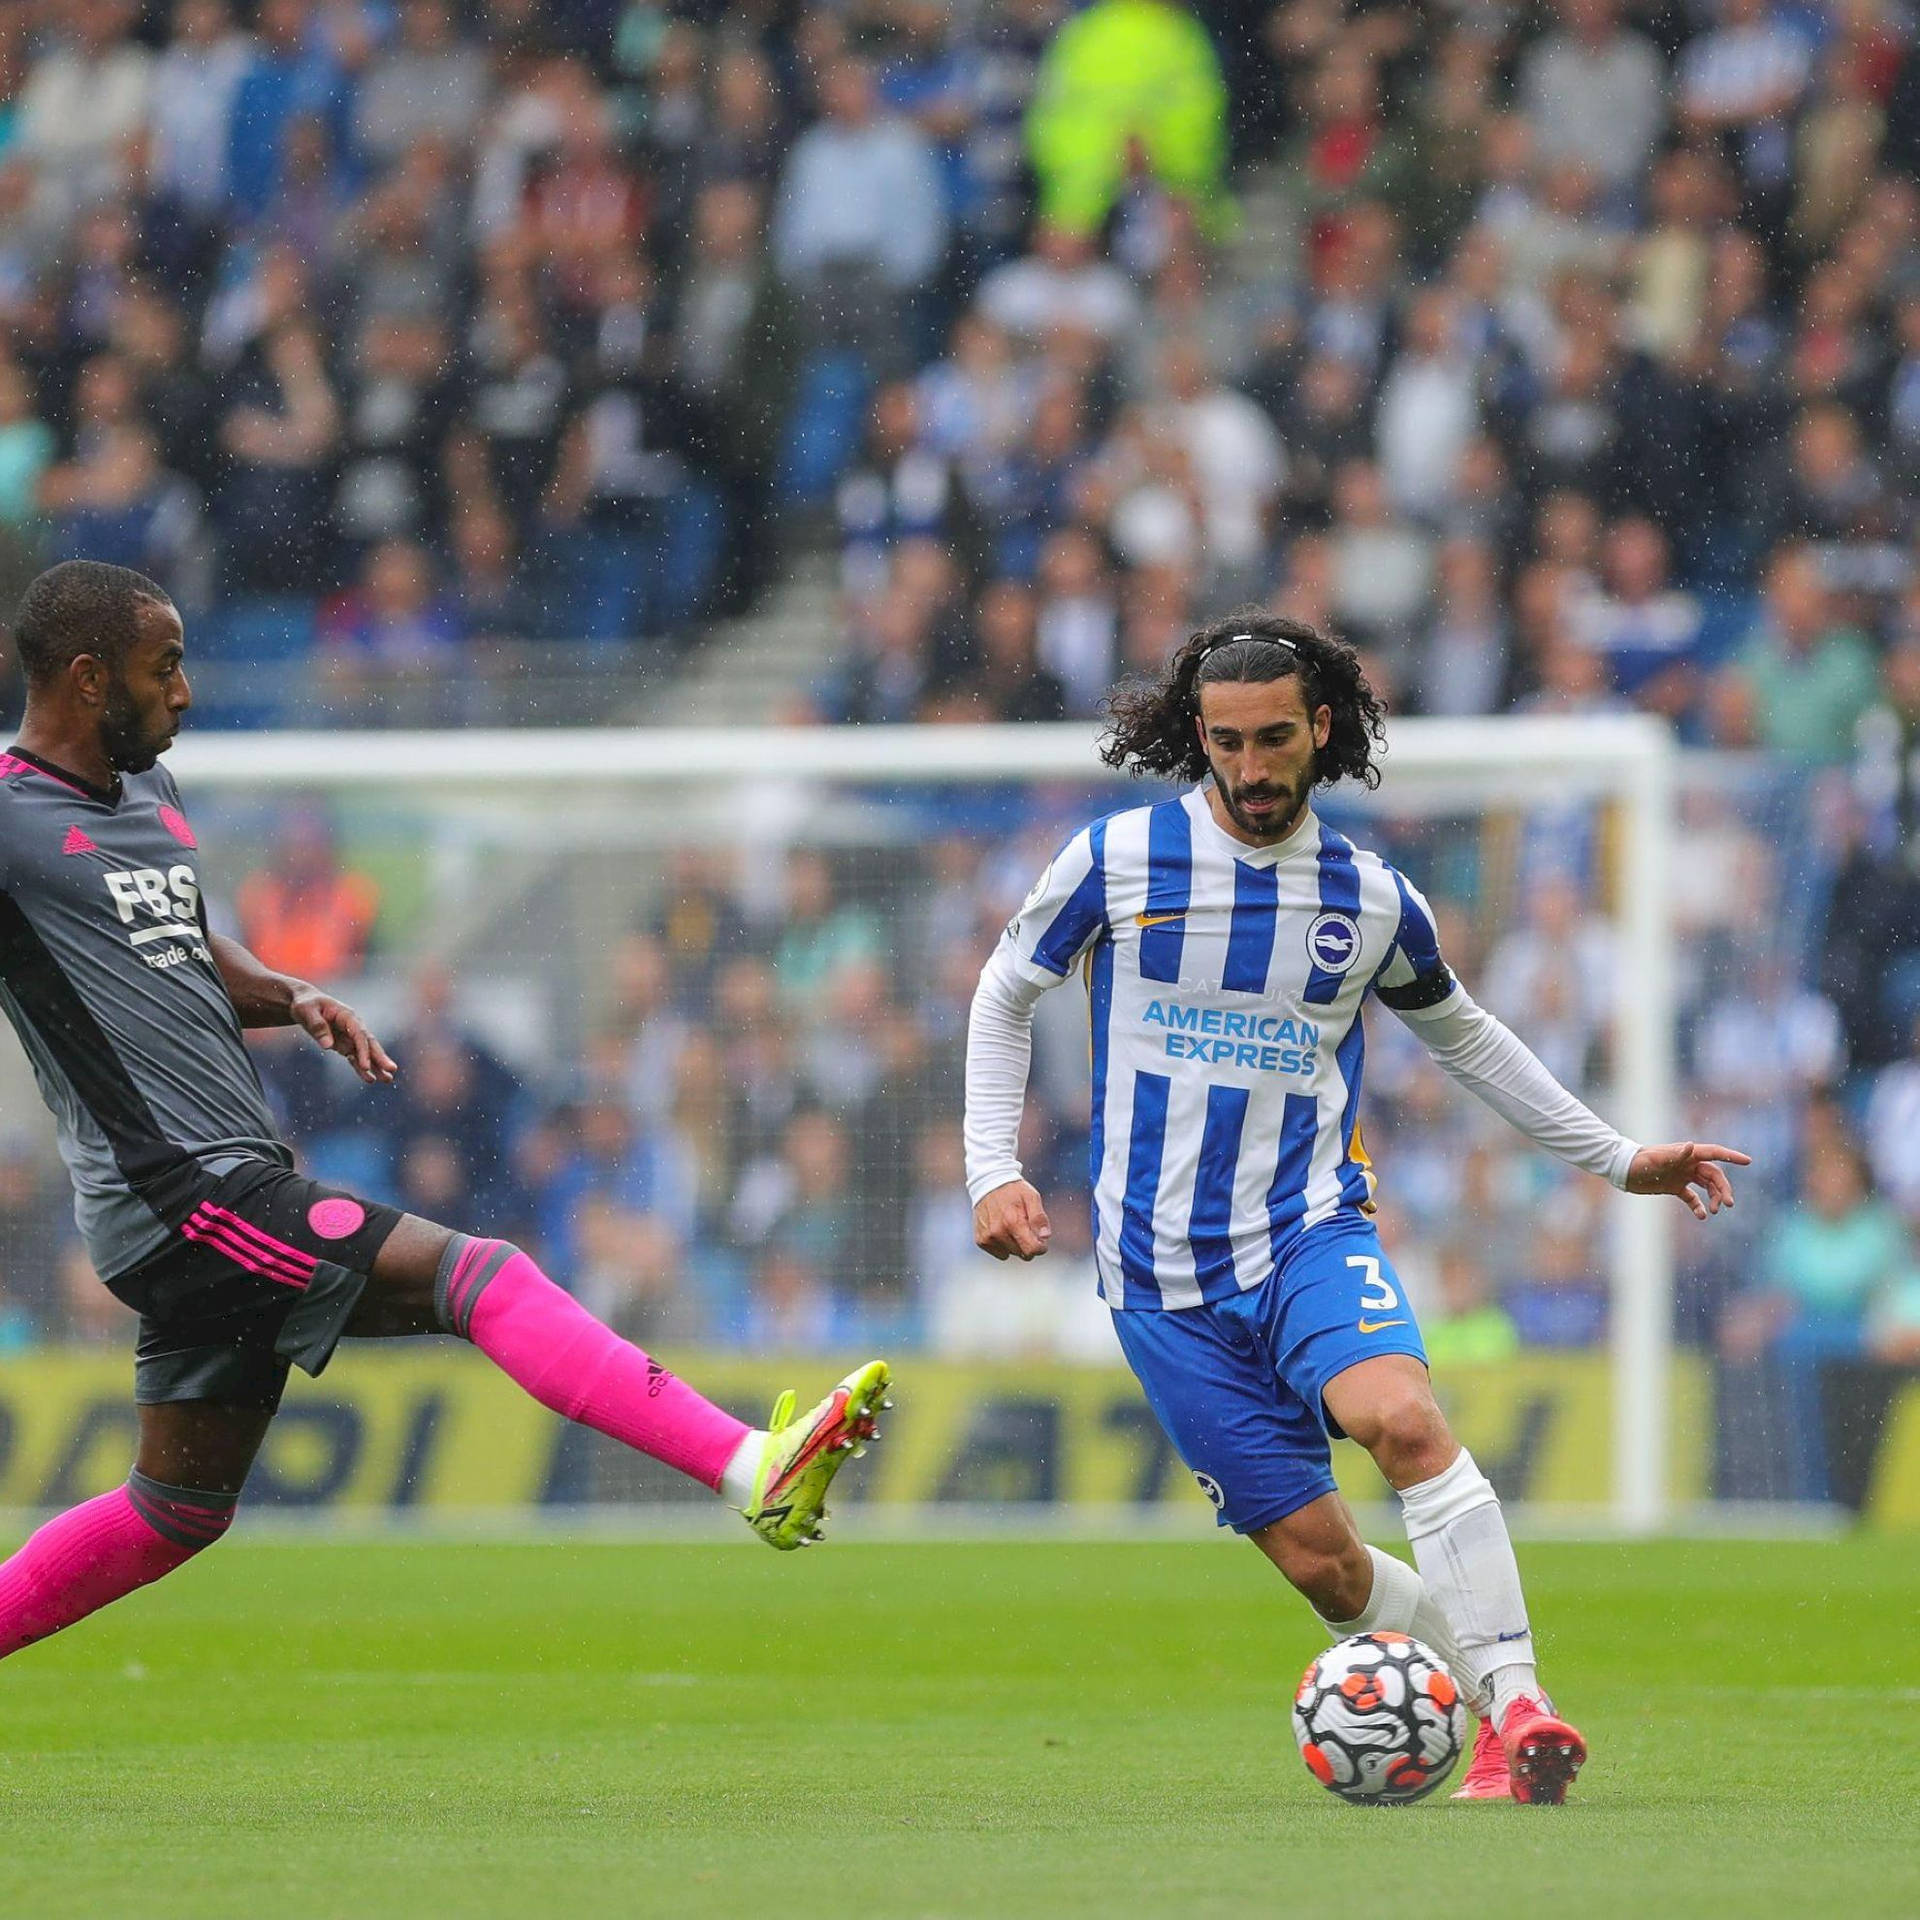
x: 80, y: 606
x: 1153, y: 728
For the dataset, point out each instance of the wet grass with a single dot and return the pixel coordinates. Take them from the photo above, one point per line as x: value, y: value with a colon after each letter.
x: 591, y: 1730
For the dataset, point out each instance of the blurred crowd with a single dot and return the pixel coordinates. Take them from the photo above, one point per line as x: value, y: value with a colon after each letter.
x: 1564, y: 357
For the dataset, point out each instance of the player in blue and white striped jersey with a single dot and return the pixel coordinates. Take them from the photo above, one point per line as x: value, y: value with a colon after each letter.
x: 1229, y: 940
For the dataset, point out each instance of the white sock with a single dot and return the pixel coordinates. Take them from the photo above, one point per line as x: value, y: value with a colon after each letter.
x: 1400, y: 1603
x: 736, y: 1482
x: 1460, y: 1544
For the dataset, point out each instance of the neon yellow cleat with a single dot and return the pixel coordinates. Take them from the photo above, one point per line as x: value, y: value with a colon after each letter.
x: 802, y: 1456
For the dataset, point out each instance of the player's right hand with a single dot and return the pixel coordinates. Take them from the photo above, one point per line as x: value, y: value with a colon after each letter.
x: 1011, y: 1223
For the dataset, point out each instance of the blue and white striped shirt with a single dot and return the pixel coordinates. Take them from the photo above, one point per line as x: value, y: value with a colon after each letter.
x: 1225, y: 983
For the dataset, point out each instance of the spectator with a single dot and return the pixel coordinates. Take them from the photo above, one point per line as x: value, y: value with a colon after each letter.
x: 1429, y: 413
x: 1078, y: 619
x: 277, y: 434
x: 1825, y: 1263
x: 699, y: 924
x: 303, y: 912
x: 1061, y: 286
x: 583, y: 204
x: 1471, y: 1328
x: 1672, y: 266
x: 1740, y: 83
x: 1021, y: 496
x: 1803, y: 679
x: 797, y: 1215
x: 504, y: 446
x: 428, y: 85
x: 295, y: 74
x: 1836, y: 146
x: 1127, y: 78
x: 195, y: 82
x: 1595, y: 94
x: 1891, y: 1132
x: 31, y: 1230
x: 84, y: 109
x: 26, y: 448
x: 745, y: 137
x: 612, y: 1160
x: 1647, y: 631
x: 1554, y: 975
x: 389, y: 648
x: 1762, y: 1049
x: 1348, y: 153
x: 1011, y: 682
x: 393, y: 399
x: 888, y: 670
x: 899, y: 491
x: 819, y: 935
x: 976, y: 403
x: 644, y: 1023
x: 1464, y: 663
x: 118, y: 504
x: 1383, y: 567
x: 861, y: 218
x: 632, y: 1272
x: 1236, y: 460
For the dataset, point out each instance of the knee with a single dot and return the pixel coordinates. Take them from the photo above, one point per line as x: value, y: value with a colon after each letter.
x: 188, y: 1519
x: 1407, y: 1435
x: 464, y: 1269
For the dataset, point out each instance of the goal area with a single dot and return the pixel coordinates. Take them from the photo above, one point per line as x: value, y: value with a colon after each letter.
x: 716, y: 982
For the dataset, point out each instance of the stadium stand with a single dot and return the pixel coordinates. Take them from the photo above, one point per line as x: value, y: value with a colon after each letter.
x: 898, y: 361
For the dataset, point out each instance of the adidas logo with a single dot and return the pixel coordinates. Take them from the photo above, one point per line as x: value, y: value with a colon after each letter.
x: 77, y: 842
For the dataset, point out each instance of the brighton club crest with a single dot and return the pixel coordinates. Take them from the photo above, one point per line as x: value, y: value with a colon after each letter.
x: 1333, y: 942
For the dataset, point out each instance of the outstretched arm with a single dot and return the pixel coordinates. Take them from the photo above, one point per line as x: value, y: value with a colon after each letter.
x: 263, y: 998
x: 1491, y: 1061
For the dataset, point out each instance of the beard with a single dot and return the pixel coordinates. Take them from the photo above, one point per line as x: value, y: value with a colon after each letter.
x: 131, y: 745
x: 1273, y: 821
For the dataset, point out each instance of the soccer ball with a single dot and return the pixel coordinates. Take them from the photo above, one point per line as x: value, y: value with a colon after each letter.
x: 1379, y: 1720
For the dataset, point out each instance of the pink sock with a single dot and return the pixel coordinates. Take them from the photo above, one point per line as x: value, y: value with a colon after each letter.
x: 92, y: 1554
x: 489, y: 1292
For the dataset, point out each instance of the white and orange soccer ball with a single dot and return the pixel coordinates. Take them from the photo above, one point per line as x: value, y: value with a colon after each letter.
x: 1379, y: 1719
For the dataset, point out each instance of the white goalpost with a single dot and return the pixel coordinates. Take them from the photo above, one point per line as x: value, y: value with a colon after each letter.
x: 1624, y: 762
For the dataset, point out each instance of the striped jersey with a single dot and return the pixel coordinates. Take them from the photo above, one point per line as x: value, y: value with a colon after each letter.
x: 1225, y: 985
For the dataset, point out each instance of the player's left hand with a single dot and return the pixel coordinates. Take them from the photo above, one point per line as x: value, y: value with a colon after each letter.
x: 1681, y: 1167
x: 336, y: 1027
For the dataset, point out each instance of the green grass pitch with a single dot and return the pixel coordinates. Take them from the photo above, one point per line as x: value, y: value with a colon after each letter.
x: 339, y: 1732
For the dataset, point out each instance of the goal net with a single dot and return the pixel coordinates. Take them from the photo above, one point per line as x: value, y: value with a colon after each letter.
x: 685, y: 1011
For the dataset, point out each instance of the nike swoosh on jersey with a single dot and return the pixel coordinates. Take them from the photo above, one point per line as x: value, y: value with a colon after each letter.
x: 1376, y: 1326
x: 1157, y: 919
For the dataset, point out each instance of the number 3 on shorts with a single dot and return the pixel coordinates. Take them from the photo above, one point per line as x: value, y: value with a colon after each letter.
x: 1377, y: 1294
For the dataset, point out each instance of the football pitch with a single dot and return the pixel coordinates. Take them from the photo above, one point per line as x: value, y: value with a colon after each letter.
x: 590, y: 1729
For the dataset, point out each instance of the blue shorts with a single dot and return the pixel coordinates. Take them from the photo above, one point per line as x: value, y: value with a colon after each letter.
x: 1237, y: 1385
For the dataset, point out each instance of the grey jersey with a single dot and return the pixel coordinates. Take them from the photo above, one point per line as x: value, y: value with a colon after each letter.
x: 108, y: 977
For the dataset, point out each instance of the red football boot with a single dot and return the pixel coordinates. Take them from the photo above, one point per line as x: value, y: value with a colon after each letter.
x: 1543, y: 1752
x: 1487, y: 1776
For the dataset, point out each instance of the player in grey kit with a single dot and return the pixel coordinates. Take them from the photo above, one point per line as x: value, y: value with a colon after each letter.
x: 131, y: 1010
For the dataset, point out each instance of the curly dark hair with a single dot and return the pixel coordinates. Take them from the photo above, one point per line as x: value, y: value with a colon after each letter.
x: 80, y: 606
x: 1154, y: 728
